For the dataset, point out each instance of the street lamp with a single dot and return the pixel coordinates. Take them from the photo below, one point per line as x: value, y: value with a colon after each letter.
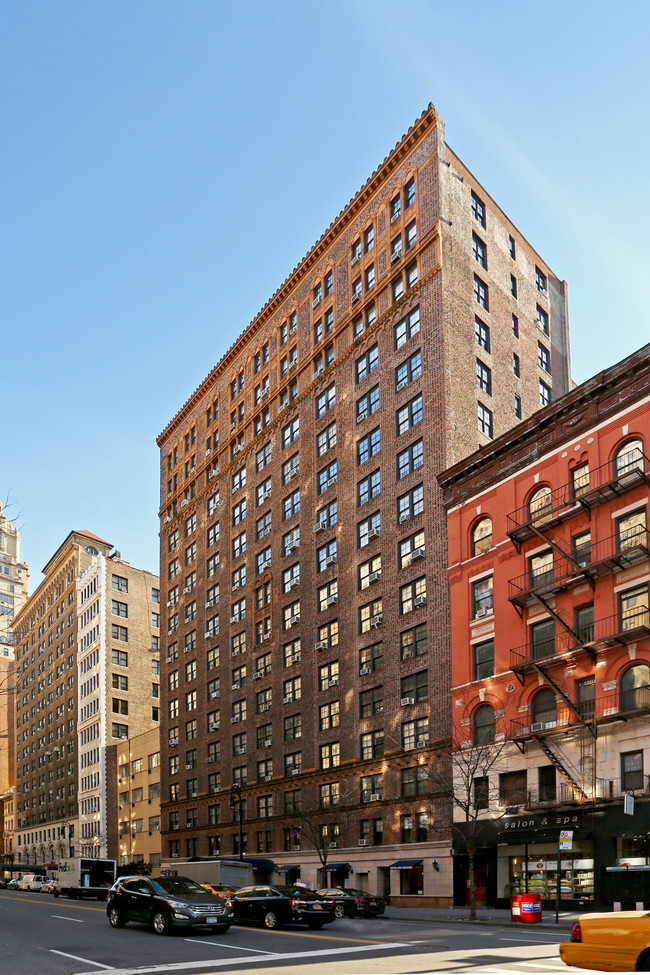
x: 236, y: 800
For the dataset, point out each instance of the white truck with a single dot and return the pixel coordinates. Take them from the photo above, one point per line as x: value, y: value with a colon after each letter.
x: 235, y: 873
x: 83, y: 877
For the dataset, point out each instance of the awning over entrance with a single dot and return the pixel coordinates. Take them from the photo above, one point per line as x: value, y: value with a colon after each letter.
x: 339, y: 866
x: 260, y: 864
x: 286, y: 867
x: 405, y: 864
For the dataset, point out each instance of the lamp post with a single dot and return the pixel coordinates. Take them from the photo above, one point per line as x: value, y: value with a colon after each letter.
x: 236, y: 800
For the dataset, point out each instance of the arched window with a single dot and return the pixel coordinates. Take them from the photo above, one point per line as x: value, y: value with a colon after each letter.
x: 539, y: 506
x: 635, y: 688
x: 544, y: 707
x: 628, y: 457
x: 484, y: 722
x: 482, y: 536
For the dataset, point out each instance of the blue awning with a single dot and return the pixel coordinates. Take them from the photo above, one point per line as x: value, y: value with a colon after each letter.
x: 338, y: 866
x: 260, y: 864
x: 286, y: 867
x: 405, y: 864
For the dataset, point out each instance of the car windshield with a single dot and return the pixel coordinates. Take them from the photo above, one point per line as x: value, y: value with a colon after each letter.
x: 177, y: 886
x: 303, y: 892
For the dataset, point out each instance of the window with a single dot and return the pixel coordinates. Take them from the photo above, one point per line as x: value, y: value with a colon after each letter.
x: 479, y: 250
x: 478, y: 209
x: 629, y: 457
x: 631, y: 531
x: 512, y: 247
x: 372, y: 787
x: 482, y: 597
x: 290, y: 468
x: 406, y: 328
x: 371, y: 658
x: 328, y: 515
x: 409, y: 193
x: 410, y: 459
x: 356, y: 290
x: 370, y: 615
x: 120, y: 633
x: 395, y: 208
x: 368, y: 529
x: 484, y: 420
x: 368, y: 239
x: 290, y: 541
x: 482, y: 334
x: 415, y: 687
x: 239, y: 545
x: 415, y: 781
x: 328, y: 634
x: 370, y: 277
x: 368, y: 404
x: 543, y: 357
x: 262, y: 457
x: 515, y: 326
x: 369, y: 487
x: 263, y: 595
x: 540, y: 568
x: 263, y: 525
x: 326, y: 439
x: 291, y: 615
x: 326, y: 555
x: 291, y: 432
x: 513, y: 788
x: 482, y: 536
x: 484, y: 724
x: 239, y: 480
x: 328, y: 795
x: 213, y: 503
x: 542, y: 319
x: 330, y: 755
x: 540, y: 281
x: 542, y: 639
x: 483, y: 377
x: 410, y: 504
x: 413, y: 595
x: 544, y: 710
x: 212, y: 564
x: 367, y: 363
x: 371, y: 702
x: 409, y: 415
x: 513, y: 286
x: 414, y: 642
x: 327, y: 595
x: 544, y: 393
x: 481, y: 293
x: 291, y: 726
x: 580, y: 480
x: 411, y: 235
x: 516, y: 365
x: 291, y: 505
x: 632, y: 777
x: 120, y: 658
x: 328, y: 716
x: 633, y: 608
x: 326, y: 400
x: 518, y: 406
x: 584, y: 622
x: 120, y: 730
x: 635, y: 688
x: 120, y: 583
x: 369, y: 572
x: 263, y: 560
x: 291, y: 577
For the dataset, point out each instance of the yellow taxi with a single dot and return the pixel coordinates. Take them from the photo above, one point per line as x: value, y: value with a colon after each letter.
x: 614, y: 942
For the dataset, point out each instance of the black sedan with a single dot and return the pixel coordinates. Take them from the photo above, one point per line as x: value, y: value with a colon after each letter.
x: 278, y: 905
x: 351, y: 902
x: 165, y: 903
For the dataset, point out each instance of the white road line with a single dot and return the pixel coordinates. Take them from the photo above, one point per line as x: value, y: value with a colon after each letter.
x: 186, y: 966
x: 220, y: 944
x: 88, y: 961
x: 529, y: 941
x: 62, y: 918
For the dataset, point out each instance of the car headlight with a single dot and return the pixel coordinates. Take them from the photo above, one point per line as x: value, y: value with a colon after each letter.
x: 178, y: 905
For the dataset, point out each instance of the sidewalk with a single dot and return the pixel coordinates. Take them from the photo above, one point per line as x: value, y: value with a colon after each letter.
x: 484, y: 916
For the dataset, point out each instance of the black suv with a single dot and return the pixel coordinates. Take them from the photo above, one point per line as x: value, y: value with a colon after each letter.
x: 165, y: 903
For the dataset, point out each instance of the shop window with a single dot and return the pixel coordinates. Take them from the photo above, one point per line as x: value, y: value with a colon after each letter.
x: 628, y: 457
x: 482, y: 536
x: 635, y: 688
x: 484, y: 725
x: 411, y: 881
x: 540, y: 505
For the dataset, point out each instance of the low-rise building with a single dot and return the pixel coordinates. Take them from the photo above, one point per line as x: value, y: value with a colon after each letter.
x: 138, y: 794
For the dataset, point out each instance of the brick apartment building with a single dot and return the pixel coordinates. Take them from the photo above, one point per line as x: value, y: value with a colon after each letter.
x: 305, y: 650
x: 138, y: 789
x: 549, y: 566
x: 87, y: 662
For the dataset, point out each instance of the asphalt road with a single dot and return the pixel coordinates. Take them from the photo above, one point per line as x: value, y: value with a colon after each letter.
x: 43, y: 935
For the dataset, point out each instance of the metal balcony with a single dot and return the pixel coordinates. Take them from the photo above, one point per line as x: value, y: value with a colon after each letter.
x: 603, y: 484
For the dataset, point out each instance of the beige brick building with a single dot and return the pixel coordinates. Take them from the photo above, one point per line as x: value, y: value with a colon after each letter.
x: 303, y: 559
x: 138, y: 794
x: 87, y: 678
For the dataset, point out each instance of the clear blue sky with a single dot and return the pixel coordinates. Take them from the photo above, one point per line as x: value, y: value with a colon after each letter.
x: 147, y: 145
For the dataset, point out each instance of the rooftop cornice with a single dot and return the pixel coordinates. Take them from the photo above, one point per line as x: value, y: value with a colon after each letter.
x: 395, y: 157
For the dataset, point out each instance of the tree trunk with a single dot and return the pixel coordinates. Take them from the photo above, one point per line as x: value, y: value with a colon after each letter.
x: 472, y: 879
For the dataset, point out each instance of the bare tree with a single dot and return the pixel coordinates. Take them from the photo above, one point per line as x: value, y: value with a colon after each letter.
x: 327, y: 827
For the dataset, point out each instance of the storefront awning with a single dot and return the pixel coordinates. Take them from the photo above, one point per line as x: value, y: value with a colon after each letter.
x: 260, y: 864
x: 339, y: 866
x: 405, y: 864
x: 286, y: 867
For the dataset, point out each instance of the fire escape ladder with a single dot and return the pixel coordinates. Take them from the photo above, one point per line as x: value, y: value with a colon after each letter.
x: 557, y: 617
x: 539, y: 667
x: 563, y: 553
x: 564, y: 767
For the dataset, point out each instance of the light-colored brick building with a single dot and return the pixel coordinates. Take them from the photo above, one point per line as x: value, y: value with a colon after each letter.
x: 87, y: 678
x: 305, y: 632
x: 138, y: 794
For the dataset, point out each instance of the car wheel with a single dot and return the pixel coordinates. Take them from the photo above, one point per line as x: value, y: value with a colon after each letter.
x: 160, y: 923
x: 270, y: 919
x: 643, y: 964
x: 115, y: 918
x: 339, y: 910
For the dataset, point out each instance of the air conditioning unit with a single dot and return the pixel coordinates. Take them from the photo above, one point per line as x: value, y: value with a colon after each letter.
x: 292, y: 473
x: 167, y: 519
x: 395, y: 256
x: 169, y: 659
x: 355, y: 259
x: 320, y: 526
x: 374, y: 533
x: 211, y: 758
x: 258, y: 674
x: 295, y: 658
x: 404, y: 516
x: 188, y: 765
x: 213, y: 726
x: 208, y: 634
x: 185, y: 502
x: 395, y: 216
x: 375, y: 797
x: 537, y: 726
x: 266, y: 707
x: 169, y: 602
x: 210, y: 603
x: 376, y: 620
x: 316, y: 302
x: 235, y: 653
x: 233, y: 619
x: 268, y: 743
x: 289, y: 547
x: 480, y: 612
x: 334, y: 846
x: 406, y: 700
x: 282, y: 407
x: 208, y: 451
x: 322, y: 645
x: 374, y: 577
x: 334, y: 682
x: 423, y: 742
x: 362, y: 416
x: 296, y: 771
x: 420, y: 601
x: 173, y: 741
x: 332, y: 600
x: 331, y: 481
x: 364, y: 842
x: 288, y: 699
x: 330, y: 560
x: 268, y: 778
x: 292, y: 365
x: 417, y: 553
x: 187, y: 589
x: 235, y: 587
x: 356, y: 297
x: 294, y: 620
x: 235, y: 719
x: 318, y: 370
x: 265, y: 392
x: 293, y: 584
x: 264, y: 566
x: 264, y: 496
x: 296, y: 846
x: 235, y: 686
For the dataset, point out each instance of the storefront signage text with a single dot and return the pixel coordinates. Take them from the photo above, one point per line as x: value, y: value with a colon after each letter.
x: 546, y: 821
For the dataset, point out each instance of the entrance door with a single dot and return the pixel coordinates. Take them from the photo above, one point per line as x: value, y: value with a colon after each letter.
x: 480, y: 879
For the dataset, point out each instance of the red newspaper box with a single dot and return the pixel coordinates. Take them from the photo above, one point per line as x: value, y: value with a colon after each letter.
x: 531, y: 908
x: 515, y: 907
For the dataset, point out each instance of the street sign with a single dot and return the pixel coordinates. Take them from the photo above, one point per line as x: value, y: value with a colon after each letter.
x: 566, y: 839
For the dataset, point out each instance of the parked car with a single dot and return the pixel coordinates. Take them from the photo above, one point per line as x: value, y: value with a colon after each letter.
x: 49, y: 887
x: 351, y: 902
x: 618, y: 941
x: 226, y: 890
x: 282, y: 904
x: 165, y: 903
x: 13, y: 884
x: 32, y: 881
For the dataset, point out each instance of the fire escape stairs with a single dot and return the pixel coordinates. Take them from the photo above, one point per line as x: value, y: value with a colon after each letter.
x: 559, y: 690
x: 564, y: 767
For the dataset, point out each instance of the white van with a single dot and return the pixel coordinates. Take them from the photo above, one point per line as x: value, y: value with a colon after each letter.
x: 31, y: 881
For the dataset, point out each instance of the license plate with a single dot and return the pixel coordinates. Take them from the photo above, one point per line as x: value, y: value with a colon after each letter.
x: 211, y: 920
x: 318, y: 907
